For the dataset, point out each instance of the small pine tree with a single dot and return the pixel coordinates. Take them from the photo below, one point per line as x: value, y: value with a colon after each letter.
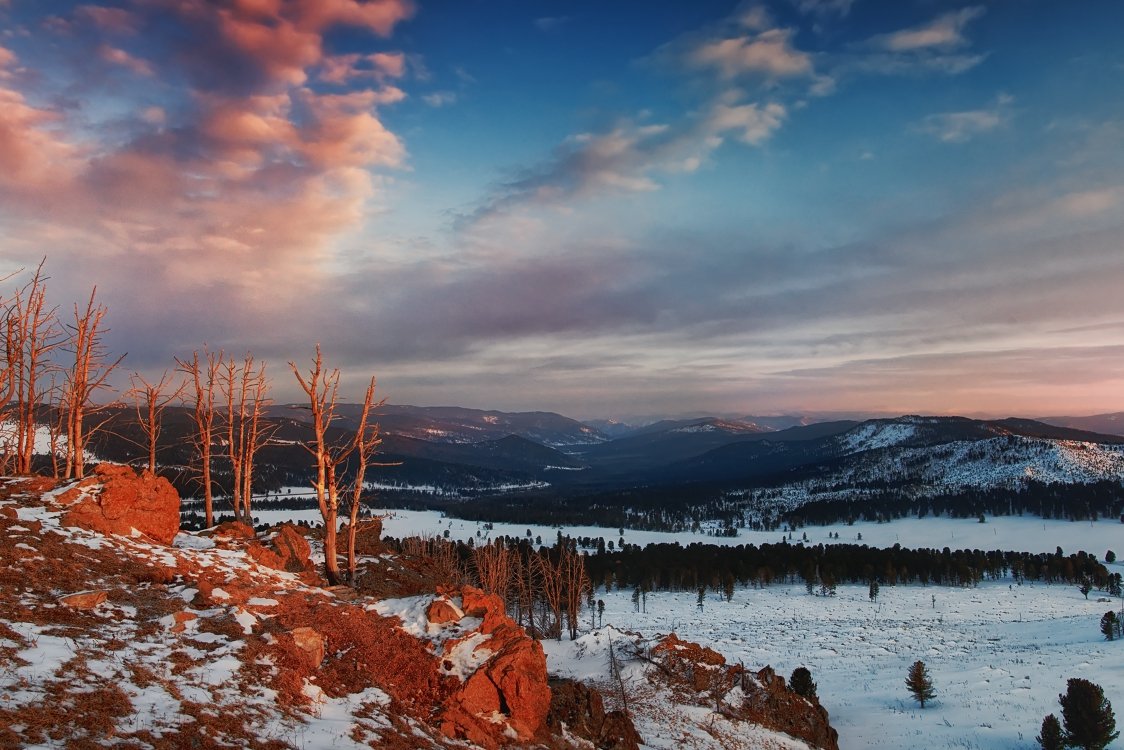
x: 1110, y: 625
x: 1110, y: 557
x: 1087, y: 715
x: 801, y: 683
x: 919, y: 683
x: 873, y: 592
x: 1085, y: 587
x: 702, y: 597
x: 1051, y: 735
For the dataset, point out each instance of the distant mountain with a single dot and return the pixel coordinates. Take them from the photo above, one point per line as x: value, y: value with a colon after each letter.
x: 665, y: 442
x: 1112, y: 424
x: 782, y: 422
x: 919, y: 455
x: 611, y: 428
x: 453, y: 424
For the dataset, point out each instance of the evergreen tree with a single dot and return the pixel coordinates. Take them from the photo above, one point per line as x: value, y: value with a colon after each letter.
x: 1110, y: 626
x: 702, y: 597
x: 919, y: 683
x: 801, y: 683
x: 1085, y: 587
x: 873, y: 592
x: 1087, y: 715
x: 1051, y: 735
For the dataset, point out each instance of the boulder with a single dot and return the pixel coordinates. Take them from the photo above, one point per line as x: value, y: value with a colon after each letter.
x: 115, y: 501
x: 581, y: 710
x: 288, y: 550
x: 441, y: 611
x: 292, y: 549
x: 511, y: 684
x: 311, y: 644
x: 233, y: 530
x: 84, y: 599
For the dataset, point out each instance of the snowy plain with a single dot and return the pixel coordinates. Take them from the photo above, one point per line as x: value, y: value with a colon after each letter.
x: 999, y: 653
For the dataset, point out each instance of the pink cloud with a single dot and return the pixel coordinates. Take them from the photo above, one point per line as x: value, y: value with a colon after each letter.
x: 232, y: 175
x: 125, y: 60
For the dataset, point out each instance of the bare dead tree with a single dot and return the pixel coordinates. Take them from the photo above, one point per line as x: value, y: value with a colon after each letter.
x: 252, y: 434
x: 550, y: 581
x: 322, y: 388
x: 525, y: 577
x: 244, y: 387
x: 575, y: 584
x: 493, y: 563
x: 203, y: 375
x: 366, y: 441
x: 88, y: 374
x: 31, y: 334
x: 151, y: 401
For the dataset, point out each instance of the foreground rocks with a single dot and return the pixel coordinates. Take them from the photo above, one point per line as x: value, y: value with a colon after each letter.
x: 115, y: 500
x: 760, y: 697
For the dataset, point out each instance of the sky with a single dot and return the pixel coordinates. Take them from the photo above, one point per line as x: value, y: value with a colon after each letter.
x: 600, y: 209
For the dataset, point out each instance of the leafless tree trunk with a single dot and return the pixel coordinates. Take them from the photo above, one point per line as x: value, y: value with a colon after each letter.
x: 151, y: 400
x: 322, y: 389
x: 366, y: 442
x: 244, y: 387
x: 551, y: 585
x: 575, y: 583
x: 203, y: 376
x: 493, y: 568
x: 31, y: 333
x: 88, y: 374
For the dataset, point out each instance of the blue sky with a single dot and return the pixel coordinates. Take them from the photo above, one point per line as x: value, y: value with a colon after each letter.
x: 604, y: 209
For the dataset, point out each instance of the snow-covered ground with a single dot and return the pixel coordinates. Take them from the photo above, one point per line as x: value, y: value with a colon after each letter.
x: 998, y: 655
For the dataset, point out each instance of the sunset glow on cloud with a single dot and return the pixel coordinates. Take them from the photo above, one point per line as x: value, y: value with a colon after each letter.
x: 598, y: 209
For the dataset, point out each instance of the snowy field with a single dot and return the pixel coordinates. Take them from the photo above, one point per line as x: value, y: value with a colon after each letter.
x: 1022, y: 533
x: 998, y: 656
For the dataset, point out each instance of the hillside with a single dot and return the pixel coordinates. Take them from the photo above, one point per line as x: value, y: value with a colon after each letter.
x: 121, y: 631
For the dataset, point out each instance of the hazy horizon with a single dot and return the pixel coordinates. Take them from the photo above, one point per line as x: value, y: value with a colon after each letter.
x: 865, y: 206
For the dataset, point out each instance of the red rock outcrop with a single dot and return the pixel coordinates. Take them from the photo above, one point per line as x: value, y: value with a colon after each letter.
x: 764, y: 698
x: 511, y: 685
x: 115, y: 501
x: 233, y: 530
x: 288, y: 550
x: 770, y: 703
x: 582, y: 710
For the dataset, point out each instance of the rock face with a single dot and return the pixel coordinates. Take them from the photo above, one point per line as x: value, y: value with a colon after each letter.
x: 582, y: 710
x: 115, y: 501
x: 288, y: 550
x: 771, y: 703
x: 511, y: 683
x: 759, y: 697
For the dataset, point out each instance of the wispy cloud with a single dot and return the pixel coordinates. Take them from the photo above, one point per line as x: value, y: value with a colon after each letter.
x: 944, y: 32
x: 440, y: 98
x: 959, y: 127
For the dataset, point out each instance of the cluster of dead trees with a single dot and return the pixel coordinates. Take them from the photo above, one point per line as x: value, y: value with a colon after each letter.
x: 55, y: 379
x: 544, y: 590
